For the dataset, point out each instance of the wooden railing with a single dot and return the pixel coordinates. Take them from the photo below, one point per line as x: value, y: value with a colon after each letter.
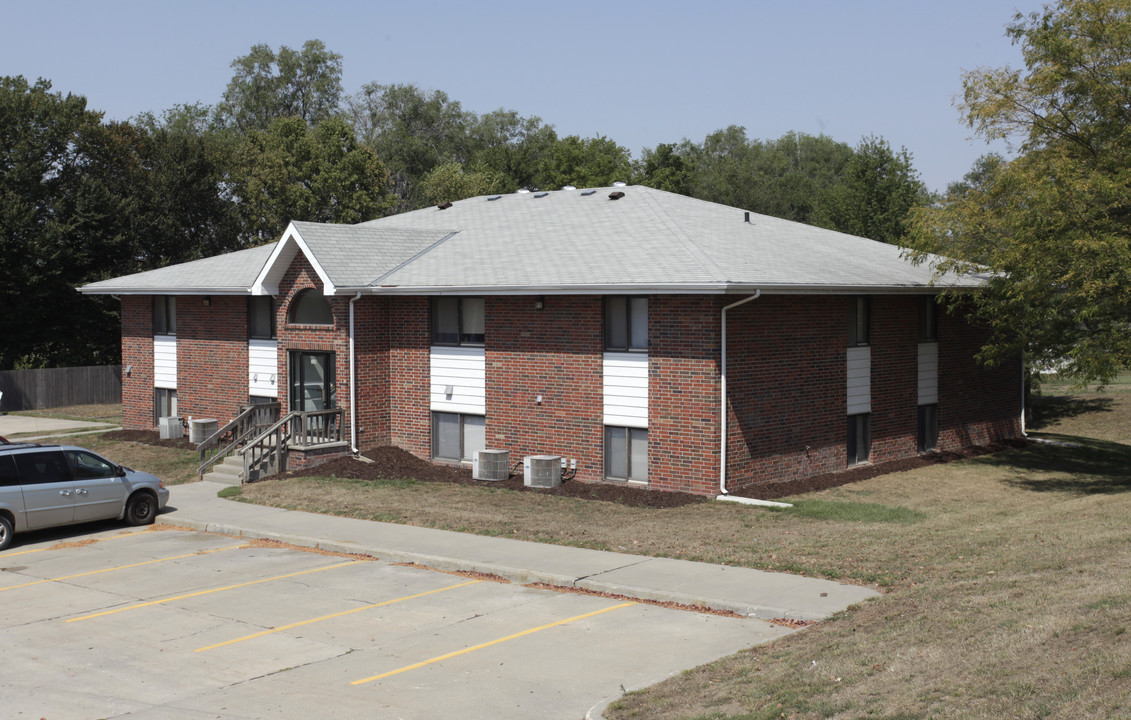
x: 266, y: 453
x: 248, y: 424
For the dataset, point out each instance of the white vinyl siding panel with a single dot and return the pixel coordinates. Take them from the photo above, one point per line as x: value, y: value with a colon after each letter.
x: 262, y: 368
x: 465, y: 370
x: 928, y: 373
x: 859, y: 380
x: 626, y: 389
x: 165, y: 361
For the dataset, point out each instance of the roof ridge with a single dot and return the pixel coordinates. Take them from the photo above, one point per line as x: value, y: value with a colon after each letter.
x: 677, y: 230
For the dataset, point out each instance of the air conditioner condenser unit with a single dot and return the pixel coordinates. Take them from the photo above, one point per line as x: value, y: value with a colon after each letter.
x: 492, y: 465
x: 542, y: 471
x: 169, y: 428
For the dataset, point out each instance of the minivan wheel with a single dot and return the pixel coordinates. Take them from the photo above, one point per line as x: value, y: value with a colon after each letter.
x: 141, y: 509
x: 5, y: 532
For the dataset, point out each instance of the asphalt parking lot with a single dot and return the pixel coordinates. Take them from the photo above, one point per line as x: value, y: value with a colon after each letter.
x: 105, y: 622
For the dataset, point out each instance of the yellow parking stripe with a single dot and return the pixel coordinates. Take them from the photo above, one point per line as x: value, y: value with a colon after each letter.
x: 336, y: 615
x: 214, y: 590
x: 68, y: 545
x: 457, y: 653
x: 120, y: 567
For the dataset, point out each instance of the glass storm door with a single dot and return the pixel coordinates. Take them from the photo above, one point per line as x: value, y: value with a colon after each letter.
x: 312, y: 381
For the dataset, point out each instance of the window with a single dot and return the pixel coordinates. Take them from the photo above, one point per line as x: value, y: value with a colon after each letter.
x: 456, y: 436
x: 458, y: 321
x: 626, y: 323
x: 164, y: 315
x: 859, y: 438
x: 311, y: 307
x: 261, y: 317
x: 88, y: 466
x: 859, y: 320
x: 928, y: 319
x: 626, y: 454
x: 164, y: 404
x: 8, y: 474
x: 43, y: 467
x: 928, y: 428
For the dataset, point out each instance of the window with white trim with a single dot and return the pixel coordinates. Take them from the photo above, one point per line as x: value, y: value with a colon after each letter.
x: 261, y: 317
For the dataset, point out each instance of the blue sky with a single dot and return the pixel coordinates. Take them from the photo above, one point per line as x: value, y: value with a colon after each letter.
x: 641, y: 73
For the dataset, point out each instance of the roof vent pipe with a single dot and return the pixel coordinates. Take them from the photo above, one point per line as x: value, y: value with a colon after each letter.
x: 747, y: 218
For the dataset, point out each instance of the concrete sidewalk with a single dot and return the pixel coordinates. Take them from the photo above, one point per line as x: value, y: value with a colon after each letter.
x: 753, y: 593
x: 44, y: 427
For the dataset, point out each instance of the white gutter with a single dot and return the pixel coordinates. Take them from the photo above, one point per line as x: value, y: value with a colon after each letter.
x: 723, y: 494
x: 353, y: 382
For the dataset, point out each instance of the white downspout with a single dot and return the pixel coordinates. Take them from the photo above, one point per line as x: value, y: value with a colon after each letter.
x: 1023, y: 433
x: 353, y: 382
x: 723, y: 494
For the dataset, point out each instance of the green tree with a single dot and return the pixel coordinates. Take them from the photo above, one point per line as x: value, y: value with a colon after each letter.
x: 451, y: 181
x: 294, y: 172
x: 1054, y: 223
x: 504, y: 142
x: 665, y: 169
x: 412, y: 132
x: 305, y: 83
x: 589, y: 162
x: 877, y: 189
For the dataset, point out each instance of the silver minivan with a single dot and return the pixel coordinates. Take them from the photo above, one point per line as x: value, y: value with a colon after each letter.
x: 43, y: 486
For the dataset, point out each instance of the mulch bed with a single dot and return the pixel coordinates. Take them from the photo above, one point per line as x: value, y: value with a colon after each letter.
x: 390, y: 463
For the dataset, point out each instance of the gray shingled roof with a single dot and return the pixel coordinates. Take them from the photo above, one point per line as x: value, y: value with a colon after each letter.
x: 583, y: 241
x: 233, y: 272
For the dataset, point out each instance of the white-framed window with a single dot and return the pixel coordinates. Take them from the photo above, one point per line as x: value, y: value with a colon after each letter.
x: 164, y: 315
x: 859, y: 320
x: 859, y: 438
x: 458, y: 321
x: 626, y: 324
x: 626, y: 453
x: 456, y: 436
x: 164, y: 403
x: 928, y: 428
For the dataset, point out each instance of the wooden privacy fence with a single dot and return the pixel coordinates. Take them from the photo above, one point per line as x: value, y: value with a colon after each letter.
x: 60, y: 387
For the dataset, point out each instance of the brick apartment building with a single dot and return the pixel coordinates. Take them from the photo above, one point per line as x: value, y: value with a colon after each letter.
x: 653, y: 338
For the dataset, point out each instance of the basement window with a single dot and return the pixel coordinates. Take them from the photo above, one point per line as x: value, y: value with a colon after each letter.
x: 859, y: 438
x: 457, y: 437
x: 626, y: 454
x: 928, y: 428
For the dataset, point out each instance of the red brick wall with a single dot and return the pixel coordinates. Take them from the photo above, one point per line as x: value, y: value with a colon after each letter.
x: 786, y: 359
x: 683, y: 393
x: 212, y: 379
x: 977, y: 405
x: 137, y: 351
x: 895, y: 376
x: 557, y: 353
x: 410, y: 419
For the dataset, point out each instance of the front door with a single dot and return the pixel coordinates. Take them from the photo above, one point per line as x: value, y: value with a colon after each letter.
x: 312, y: 381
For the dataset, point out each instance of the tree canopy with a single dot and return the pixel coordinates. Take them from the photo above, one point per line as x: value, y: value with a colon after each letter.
x: 1054, y: 223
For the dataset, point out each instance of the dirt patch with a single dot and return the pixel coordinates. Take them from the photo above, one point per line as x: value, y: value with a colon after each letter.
x: 390, y: 463
x: 150, y: 437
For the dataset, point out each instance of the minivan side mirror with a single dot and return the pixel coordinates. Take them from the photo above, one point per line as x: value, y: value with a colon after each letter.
x: 120, y: 472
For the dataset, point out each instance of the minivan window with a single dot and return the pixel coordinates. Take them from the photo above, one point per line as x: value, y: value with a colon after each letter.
x: 8, y: 474
x: 88, y: 466
x: 43, y: 467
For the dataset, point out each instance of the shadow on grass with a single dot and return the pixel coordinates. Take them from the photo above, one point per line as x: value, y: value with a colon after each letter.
x: 1064, y: 463
x: 1050, y: 409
